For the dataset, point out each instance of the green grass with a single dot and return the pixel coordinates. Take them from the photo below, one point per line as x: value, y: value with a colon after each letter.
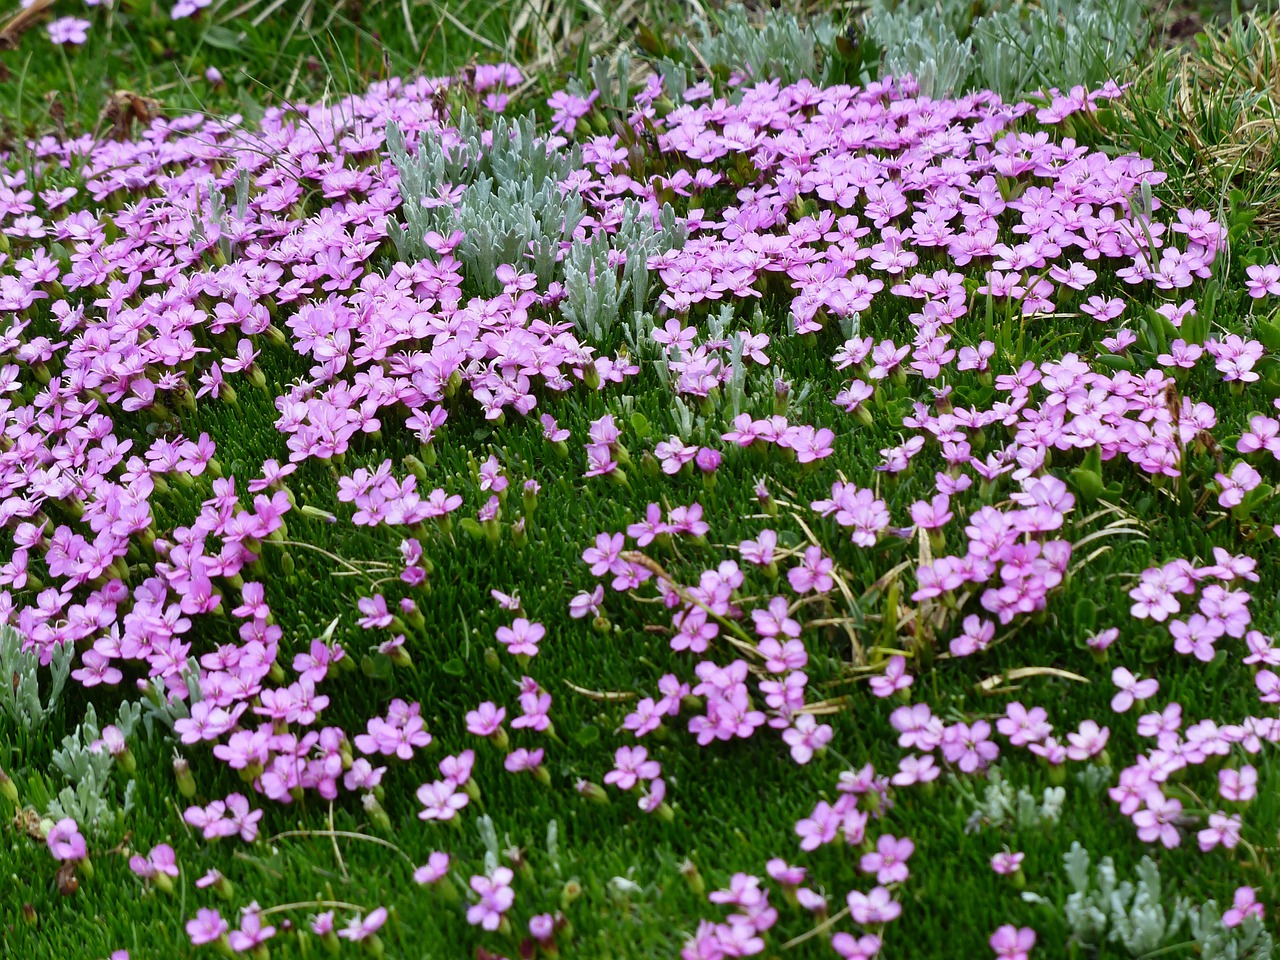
x: 268, y: 52
x: 735, y: 805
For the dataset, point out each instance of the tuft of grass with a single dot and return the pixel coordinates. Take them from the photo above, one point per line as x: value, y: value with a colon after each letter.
x: 1209, y: 114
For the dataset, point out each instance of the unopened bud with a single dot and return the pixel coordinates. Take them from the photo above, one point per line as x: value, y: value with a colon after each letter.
x: 376, y: 812
x: 570, y: 892
x: 591, y: 792
x: 7, y: 788
x: 689, y: 870
x: 186, y: 782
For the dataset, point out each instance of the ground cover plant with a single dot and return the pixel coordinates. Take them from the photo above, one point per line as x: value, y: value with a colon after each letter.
x: 748, y: 506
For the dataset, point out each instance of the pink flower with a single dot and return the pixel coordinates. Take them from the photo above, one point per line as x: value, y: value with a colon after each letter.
x: 440, y: 800
x: 1006, y: 863
x: 850, y: 947
x: 969, y: 747
x: 1158, y: 821
x: 161, y: 861
x: 435, y: 869
x: 877, y: 907
x: 206, y: 927
x: 1239, y: 786
x: 806, y: 737
x: 630, y: 766
x: 889, y: 859
x: 522, y: 637
x: 1264, y: 280
x: 68, y: 31
x: 362, y: 928
x: 1013, y: 943
x: 1245, y: 904
x: 65, y: 841
x: 894, y: 680
x: 252, y: 933
x: 1090, y: 741
x: 1131, y: 688
x: 496, y: 898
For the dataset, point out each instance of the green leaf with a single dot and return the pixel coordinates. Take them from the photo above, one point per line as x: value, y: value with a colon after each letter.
x: 454, y: 667
x: 376, y: 666
x: 587, y: 735
x: 223, y: 38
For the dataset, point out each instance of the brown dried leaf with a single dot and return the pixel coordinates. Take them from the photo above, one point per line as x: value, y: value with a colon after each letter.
x: 21, y: 22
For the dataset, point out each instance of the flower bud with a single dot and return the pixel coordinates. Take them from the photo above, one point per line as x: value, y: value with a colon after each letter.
x: 591, y: 792
x: 376, y: 812
x: 689, y: 870
x: 570, y: 892
x: 186, y: 782
x: 416, y: 467
x: 7, y: 788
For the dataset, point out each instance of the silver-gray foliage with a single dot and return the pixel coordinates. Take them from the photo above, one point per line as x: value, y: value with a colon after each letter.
x: 1103, y: 909
x: 922, y: 40
x: 1001, y: 804
x: 1011, y: 48
x: 1216, y: 941
x: 88, y: 795
x: 513, y: 209
x: 1057, y: 43
x: 20, y: 698
x: 779, y: 46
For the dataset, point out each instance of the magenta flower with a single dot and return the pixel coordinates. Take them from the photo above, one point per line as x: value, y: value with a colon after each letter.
x: 889, y: 859
x: 1132, y: 689
x: 568, y: 109
x: 434, y: 870
x: 65, y: 841
x: 252, y: 933
x: 496, y: 898
x: 1158, y: 821
x: 1013, y: 943
x: 1239, y: 786
x: 206, y: 927
x: 322, y: 923
x: 69, y: 31
x: 631, y: 765
x: 161, y: 861
x: 486, y: 719
x: 1244, y: 904
x: 440, y: 800
x: 1007, y: 863
x: 850, y: 947
x: 969, y: 747
x: 806, y: 737
x: 894, y: 680
x: 362, y: 928
x: 1263, y: 280
x: 1089, y: 741
x: 521, y: 760
x: 875, y: 907
x: 522, y: 637
x: 1222, y: 829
